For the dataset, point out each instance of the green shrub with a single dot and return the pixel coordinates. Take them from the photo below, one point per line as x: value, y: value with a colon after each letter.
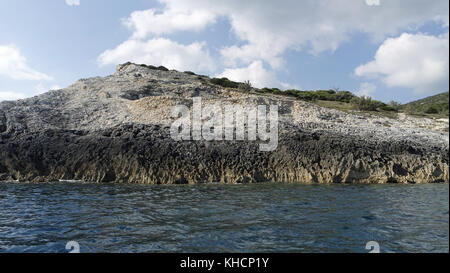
x: 388, y: 108
x: 433, y: 109
x: 307, y: 95
x: 328, y: 95
x: 395, y: 104
x: 292, y: 92
x: 264, y: 90
x: 277, y: 91
x: 344, y: 96
x: 161, y: 68
x: 245, y: 86
x: 224, y: 82
x: 363, y: 103
x: 366, y: 103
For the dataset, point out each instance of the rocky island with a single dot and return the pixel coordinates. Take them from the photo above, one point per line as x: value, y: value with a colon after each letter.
x: 117, y: 129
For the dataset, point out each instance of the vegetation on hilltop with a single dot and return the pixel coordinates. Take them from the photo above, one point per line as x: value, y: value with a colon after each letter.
x: 342, y: 100
x: 347, y: 101
x: 433, y: 105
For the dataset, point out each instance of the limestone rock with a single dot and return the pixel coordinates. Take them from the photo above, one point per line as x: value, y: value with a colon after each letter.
x: 116, y: 129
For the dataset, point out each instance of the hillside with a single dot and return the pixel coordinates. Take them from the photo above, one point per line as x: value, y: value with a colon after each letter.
x: 118, y: 129
x: 437, y: 105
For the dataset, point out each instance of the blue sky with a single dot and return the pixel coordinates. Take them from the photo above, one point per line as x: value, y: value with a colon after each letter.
x: 390, y: 50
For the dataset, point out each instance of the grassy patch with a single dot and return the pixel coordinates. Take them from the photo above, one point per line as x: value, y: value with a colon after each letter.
x: 342, y: 106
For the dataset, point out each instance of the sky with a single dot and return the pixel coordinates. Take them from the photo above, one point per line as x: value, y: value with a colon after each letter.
x: 387, y: 49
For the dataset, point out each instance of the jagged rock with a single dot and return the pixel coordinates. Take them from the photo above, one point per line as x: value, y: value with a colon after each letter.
x: 3, y: 127
x: 116, y: 129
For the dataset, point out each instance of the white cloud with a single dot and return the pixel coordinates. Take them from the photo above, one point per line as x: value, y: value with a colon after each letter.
x: 366, y: 89
x: 55, y: 87
x: 73, y: 2
x: 8, y: 95
x: 160, y: 51
x: 42, y: 88
x: 145, y: 22
x: 266, y: 29
x: 417, y: 61
x: 255, y: 73
x: 269, y: 28
x: 39, y: 89
x: 14, y: 65
x: 373, y: 2
x: 249, y: 53
x: 287, y: 86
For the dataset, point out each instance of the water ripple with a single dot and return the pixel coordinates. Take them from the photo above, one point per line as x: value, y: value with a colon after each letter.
x: 223, y: 218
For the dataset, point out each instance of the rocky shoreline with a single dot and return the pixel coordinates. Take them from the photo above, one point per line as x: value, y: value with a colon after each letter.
x: 117, y: 129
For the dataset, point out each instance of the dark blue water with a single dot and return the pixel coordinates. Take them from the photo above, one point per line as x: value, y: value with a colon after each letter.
x: 223, y: 218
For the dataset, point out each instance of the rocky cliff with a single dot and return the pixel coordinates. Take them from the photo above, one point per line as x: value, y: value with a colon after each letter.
x: 117, y: 129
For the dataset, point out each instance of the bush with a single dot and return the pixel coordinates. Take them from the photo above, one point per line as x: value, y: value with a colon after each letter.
x: 264, y: 90
x: 292, y: 92
x: 433, y: 109
x: 277, y: 91
x: 395, y: 104
x: 224, y: 82
x: 366, y: 103
x: 344, y: 96
x: 245, y: 86
x: 388, y: 108
x: 326, y: 95
x: 307, y: 95
x: 161, y: 68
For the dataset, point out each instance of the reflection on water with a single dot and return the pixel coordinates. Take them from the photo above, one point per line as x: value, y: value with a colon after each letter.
x: 223, y: 218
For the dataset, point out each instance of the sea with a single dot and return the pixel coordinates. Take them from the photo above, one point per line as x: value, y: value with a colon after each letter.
x: 274, y: 217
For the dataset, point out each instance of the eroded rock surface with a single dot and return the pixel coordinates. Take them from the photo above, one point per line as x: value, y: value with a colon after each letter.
x: 116, y: 129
